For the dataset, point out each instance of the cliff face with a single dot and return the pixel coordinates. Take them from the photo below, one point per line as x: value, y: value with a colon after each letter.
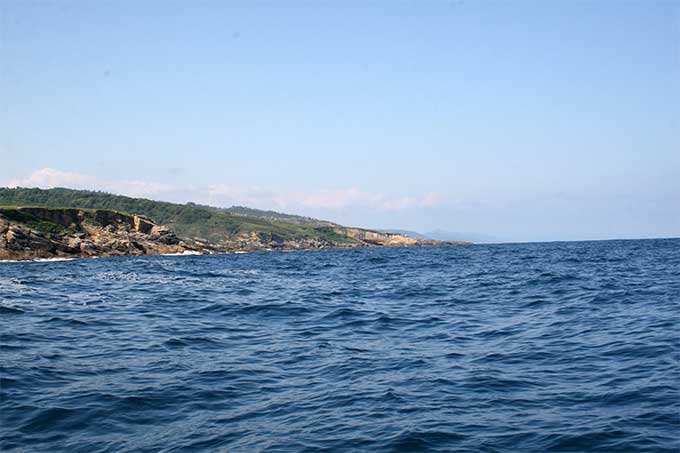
x: 379, y: 238
x: 27, y: 233
x: 41, y: 232
x: 336, y: 237
x: 235, y: 228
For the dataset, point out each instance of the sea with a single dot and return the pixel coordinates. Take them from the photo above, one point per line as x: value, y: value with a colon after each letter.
x: 537, y: 347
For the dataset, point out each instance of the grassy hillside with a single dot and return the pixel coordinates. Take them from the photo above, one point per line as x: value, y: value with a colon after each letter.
x: 19, y: 216
x: 278, y: 216
x: 273, y: 216
x: 188, y: 220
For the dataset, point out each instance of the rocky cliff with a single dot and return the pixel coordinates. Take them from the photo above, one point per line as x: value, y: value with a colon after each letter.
x: 27, y: 233
x: 381, y: 238
x: 42, y: 232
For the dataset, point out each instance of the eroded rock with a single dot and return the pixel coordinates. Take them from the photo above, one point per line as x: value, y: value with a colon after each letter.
x: 27, y: 233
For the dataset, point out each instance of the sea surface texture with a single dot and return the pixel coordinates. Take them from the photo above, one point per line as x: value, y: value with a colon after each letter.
x: 492, y: 348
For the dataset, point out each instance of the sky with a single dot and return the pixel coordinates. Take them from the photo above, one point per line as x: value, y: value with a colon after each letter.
x: 526, y: 121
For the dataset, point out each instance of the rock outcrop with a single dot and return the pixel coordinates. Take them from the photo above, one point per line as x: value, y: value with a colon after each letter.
x: 27, y: 233
x: 383, y: 239
x: 40, y: 232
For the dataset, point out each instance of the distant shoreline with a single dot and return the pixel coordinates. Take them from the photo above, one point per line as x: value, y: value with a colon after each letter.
x: 34, y: 223
x: 38, y: 259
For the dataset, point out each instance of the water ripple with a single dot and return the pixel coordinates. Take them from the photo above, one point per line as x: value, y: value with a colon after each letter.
x: 498, y: 348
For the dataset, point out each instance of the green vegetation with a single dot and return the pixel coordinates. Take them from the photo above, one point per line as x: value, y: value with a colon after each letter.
x: 330, y: 235
x: 278, y: 216
x: 45, y: 226
x: 187, y: 220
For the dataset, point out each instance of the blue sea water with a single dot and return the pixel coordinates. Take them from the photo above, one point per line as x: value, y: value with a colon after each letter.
x: 492, y: 348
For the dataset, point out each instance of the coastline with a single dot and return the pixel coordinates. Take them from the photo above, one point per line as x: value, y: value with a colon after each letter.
x: 190, y: 253
x: 30, y: 233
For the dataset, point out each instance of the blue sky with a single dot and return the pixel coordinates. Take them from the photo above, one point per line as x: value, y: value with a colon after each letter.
x: 522, y: 120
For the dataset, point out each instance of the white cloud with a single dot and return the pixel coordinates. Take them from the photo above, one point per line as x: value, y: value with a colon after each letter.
x: 225, y: 195
x: 345, y: 198
x: 49, y: 177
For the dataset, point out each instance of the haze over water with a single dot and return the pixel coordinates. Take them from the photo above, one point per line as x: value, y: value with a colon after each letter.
x: 524, y: 347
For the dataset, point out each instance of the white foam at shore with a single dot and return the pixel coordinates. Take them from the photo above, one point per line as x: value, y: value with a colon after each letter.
x: 38, y: 260
x: 47, y: 260
x: 43, y: 260
x: 184, y: 253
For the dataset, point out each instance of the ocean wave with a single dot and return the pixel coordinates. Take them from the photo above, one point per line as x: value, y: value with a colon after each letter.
x: 48, y: 260
x: 526, y: 347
